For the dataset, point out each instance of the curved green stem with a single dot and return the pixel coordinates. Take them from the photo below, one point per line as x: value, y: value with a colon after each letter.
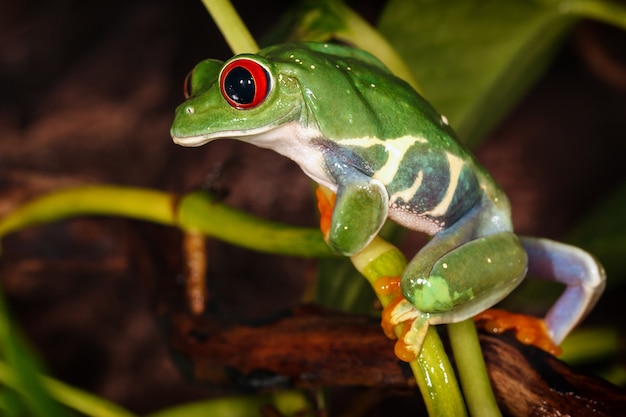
x: 610, y: 12
x: 200, y: 212
x: 129, y: 202
x: 432, y: 369
x: 472, y: 370
x: 362, y: 35
x: 331, y: 20
x: 85, y: 403
x: 20, y: 373
x: 40, y: 395
x: 197, y: 211
x: 231, y: 26
x: 286, y: 402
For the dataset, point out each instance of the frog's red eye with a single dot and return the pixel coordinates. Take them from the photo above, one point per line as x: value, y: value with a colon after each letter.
x: 244, y: 83
x: 187, y: 85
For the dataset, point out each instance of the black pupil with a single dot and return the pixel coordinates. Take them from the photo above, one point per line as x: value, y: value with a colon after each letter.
x: 239, y: 85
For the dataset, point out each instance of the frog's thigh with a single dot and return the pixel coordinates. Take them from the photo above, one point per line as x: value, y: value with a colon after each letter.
x: 578, y: 270
x: 466, y: 279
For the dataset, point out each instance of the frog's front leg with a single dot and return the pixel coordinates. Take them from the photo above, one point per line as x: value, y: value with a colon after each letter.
x: 359, y: 210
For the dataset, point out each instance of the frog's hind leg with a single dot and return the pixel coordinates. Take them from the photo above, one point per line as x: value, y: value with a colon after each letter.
x: 582, y: 274
x: 451, y: 279
x: 467, y: 267
x: 452, y: 284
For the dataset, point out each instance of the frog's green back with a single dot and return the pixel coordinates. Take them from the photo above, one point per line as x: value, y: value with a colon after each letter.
x: 357, y: 96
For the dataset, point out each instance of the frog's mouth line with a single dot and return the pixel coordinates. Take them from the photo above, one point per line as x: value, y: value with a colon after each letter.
x: 195, y: 141
x: 199, y: 140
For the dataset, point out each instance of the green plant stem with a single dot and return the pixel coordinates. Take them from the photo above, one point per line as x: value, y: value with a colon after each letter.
x: 364, y: 36
x: 82, y: 401
x: 231, y: 26
x: 358, y: 32
x: 196, y: 211
x: 41, y: 395
x: 436, y: 379
x: 128, y: 202
x: 432, y: 369
x: 71, y: 397
x: 20, y: 372
x: 611, y: 12
x: 200, y: 212
x: 286, y: 402
x: 472, y: 370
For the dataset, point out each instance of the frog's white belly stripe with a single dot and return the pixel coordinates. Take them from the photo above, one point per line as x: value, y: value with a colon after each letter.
x: 456, y: 165
x: 396, y: 148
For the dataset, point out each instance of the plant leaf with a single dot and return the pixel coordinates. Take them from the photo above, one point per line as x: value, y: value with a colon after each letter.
x: 474, y: 59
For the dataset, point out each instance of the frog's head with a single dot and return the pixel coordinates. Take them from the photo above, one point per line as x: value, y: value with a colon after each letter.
x: 288, y: 96
x: 244, y: 97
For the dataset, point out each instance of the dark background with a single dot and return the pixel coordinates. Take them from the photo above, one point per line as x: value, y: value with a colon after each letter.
x: 87, y: 94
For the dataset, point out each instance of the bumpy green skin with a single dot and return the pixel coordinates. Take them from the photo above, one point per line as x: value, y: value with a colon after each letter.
x: 354, y: 127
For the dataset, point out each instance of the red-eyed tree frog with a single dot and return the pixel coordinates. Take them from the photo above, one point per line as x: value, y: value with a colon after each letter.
x: 355, y: 128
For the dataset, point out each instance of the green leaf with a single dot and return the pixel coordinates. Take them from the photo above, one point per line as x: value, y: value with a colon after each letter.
x: 474, y: 59
x: 28, y: 395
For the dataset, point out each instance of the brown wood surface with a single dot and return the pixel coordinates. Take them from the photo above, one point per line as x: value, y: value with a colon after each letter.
x: 312, y: 348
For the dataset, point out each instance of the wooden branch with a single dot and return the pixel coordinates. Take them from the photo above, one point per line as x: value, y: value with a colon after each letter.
x: 312, y: 347
x: 309, y: 346
x: 529, y: 382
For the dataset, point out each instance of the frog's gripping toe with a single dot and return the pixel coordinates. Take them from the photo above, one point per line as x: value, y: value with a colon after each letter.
x: 400, y: 312
x: 528, y: 330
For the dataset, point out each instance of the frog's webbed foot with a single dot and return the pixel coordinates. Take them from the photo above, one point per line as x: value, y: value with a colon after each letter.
x: 554, y: 261
x: 401, y: 311
x: 528, y: 330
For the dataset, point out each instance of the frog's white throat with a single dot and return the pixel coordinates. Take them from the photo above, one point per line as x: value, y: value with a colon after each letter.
x: 291, y: 139
x: 298, y: 143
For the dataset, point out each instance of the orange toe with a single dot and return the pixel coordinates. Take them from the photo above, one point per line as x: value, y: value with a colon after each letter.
x: 410, y: 339
x: 528, y: 330
x: 401, y: 349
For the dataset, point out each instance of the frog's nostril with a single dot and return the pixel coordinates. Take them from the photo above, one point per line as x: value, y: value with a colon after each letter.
x: 189, y: 110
